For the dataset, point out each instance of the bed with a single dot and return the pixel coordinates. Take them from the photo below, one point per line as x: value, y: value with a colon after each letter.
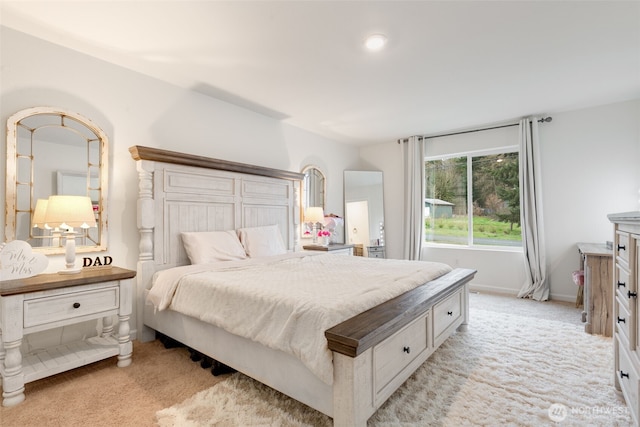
x: 371, y: 350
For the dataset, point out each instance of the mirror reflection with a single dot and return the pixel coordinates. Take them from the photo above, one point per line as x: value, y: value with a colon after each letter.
x: 364, y: 209
x: 54, y: 152
x: 313, y: 188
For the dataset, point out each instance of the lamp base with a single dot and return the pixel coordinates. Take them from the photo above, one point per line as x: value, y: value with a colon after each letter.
x: 74, y: 270
x: 70, y: 253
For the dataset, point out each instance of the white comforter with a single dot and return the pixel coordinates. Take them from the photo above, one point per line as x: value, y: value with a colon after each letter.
x: 287, y: 302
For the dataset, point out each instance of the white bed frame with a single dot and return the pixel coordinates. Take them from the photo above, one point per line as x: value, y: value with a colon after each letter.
x: 373, y: 353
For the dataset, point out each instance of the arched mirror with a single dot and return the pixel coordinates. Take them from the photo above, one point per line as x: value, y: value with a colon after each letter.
x: 314, y: 188
x: 54, y: 152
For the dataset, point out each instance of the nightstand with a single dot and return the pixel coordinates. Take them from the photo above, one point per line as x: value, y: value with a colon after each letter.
x: 596, y: 260
x: 375, y: 251
x: 336, y: 248
x: 50, y: 301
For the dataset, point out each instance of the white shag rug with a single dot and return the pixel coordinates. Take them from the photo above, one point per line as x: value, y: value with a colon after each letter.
x: 508, y: 369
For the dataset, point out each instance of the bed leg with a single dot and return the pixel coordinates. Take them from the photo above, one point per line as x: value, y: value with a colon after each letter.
x: 465, y: 306
x: 146, y: 334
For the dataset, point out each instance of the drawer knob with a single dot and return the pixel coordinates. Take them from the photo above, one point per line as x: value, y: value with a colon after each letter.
x: 407, y: 349
x: 623, y: 284
x: 623, y: 375
x: 76, y: 305
x: 622, y: 248
x: 621, y: 320
x: 632, y: 294
x: 449, y: 313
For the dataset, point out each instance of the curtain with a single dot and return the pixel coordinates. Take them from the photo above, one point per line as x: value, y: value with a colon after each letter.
x: 413, y: 167
x: 533, y: 244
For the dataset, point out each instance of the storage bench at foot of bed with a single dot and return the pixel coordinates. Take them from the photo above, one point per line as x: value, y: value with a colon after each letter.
x: 378, y: 350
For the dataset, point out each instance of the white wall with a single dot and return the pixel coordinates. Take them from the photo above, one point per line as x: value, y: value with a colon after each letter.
x: 136, y: 110
x: 590, y: 167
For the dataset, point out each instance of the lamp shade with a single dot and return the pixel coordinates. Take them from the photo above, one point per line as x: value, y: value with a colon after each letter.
x: 70, y: 212
x: 38, y: 214
x: 314, y: 214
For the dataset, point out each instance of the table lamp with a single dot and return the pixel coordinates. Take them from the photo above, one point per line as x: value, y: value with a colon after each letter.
x: 314, y: 215
x: 39, y: 213
x: 69, y: 212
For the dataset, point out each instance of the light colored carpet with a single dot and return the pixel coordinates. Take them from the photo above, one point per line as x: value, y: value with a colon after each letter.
x: 517, y: 359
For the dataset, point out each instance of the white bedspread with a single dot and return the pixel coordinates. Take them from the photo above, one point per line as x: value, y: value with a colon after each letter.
x: 287, y: 302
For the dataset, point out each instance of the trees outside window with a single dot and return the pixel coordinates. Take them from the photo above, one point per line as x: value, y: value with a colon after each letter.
x: 473, y: 199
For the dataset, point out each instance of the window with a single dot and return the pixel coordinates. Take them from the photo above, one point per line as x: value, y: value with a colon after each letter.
x: 473, y: 199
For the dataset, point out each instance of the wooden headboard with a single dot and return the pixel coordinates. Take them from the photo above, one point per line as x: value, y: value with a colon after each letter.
x: 182, y: 192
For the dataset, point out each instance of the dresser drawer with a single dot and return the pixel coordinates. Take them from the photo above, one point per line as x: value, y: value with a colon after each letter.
x: 395, y: 353
x: 46, y: 310
x: 623, y: 285
x: 445, y: 314
x: 628, y: 379
x: 623, y: 321
x: 622, y: 250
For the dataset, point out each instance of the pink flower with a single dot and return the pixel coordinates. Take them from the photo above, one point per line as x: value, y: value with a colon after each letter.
x: 323, y: 233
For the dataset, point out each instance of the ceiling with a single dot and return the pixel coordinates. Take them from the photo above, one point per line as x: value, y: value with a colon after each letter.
x: 448, y: 65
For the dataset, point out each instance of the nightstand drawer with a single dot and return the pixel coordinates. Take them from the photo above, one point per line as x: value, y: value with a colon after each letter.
x: 375, y: 251
x: 45, y: 310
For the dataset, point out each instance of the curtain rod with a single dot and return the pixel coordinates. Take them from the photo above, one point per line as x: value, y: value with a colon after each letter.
x: 542, y: 120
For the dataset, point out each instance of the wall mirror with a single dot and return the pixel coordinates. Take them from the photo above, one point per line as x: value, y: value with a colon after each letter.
x: 51, y: 151
x: 314, y: 187
x: 364, y: 208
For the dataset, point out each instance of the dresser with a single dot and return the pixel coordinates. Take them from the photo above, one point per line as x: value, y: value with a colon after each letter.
x: 626, y: 254
x: 596, y: 260
x: 48, y: 301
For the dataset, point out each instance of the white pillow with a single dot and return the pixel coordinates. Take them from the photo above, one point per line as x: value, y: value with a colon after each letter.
x: 262, y: 241
x: 204, y: 247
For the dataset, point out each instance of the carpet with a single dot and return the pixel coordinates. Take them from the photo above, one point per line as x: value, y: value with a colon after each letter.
x: 508, y: 369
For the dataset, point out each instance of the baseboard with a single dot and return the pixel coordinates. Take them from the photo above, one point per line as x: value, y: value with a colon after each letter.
x: 474, y: 287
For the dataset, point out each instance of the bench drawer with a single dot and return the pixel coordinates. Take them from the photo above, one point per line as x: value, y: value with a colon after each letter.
x: 446, y: 314
x: 395, y: 353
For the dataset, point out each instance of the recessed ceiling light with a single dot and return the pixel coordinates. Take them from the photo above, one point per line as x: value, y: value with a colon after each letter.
x: 375, y: 42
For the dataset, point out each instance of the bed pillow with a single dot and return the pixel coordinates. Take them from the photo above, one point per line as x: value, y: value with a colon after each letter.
x: 204, y: 247
x: 262, y: 241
